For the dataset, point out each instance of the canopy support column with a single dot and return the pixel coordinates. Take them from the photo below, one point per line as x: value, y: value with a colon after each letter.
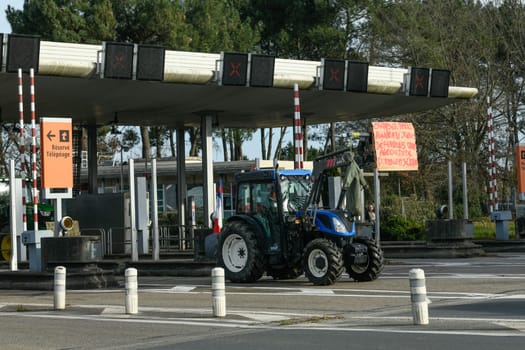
x: 92, y: 159
x: 181, y: 185
x: 207, y: 167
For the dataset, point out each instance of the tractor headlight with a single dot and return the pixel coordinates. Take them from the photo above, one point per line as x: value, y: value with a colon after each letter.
x: 338, y: 225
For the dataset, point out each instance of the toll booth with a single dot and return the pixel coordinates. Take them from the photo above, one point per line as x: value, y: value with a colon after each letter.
x: 33, y: 241
x: 109, y: 214
x: 502, y: 219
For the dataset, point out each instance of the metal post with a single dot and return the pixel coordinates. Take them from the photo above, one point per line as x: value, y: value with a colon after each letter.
x: 155, y: 210
x: 493, y: 186
x: 362, y: 206
x: 207, y: 166
x: 298, y: 135
x: 33, y: 150
x: 134, y: 245
x: 92, y: 159
x: 450, y: 199
x: 193, y: 208
x: 13, y: 262
x: 377, y: 199
x: 22, y: 149
x: 181, y: 185
x: 121, y: 171
x: 465, y: 192
x: 58, y: 217
x: 193, y: 219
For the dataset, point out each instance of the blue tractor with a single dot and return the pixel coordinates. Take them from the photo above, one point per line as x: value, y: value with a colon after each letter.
x: 280, y: 227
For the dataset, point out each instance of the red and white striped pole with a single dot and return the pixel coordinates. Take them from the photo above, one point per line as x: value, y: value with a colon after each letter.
x: 33, y: 149
x: 298, y: 135
x: 493, y: 188
x: 22, y: 148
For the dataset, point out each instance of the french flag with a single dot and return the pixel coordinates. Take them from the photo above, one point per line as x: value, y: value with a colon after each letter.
x: 217, y: 218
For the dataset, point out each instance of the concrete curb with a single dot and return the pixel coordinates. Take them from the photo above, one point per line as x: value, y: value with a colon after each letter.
x: 102, y: 274
x: 26, y: 280
x: 439, y: 250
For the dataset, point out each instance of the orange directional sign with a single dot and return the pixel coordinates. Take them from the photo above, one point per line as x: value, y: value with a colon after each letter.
x: 56, y: 152
x: 520, y: 167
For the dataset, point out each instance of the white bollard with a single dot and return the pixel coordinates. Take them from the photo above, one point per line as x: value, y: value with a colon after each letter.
x: 418, y: 296
x: 59, y: 299
x: 132, y: 299
x: 218, y: 292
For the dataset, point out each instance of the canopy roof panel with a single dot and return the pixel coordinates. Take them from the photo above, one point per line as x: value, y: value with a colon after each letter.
x: 68, y: 85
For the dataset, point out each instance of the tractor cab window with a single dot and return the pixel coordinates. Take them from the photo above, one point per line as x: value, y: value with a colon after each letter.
x: 295, y: 190
x: 254, y: 197
x: 243, y: 199
x: 260, y: 201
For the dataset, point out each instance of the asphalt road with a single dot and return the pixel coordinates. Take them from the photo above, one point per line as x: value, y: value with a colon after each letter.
x: 477, y: 303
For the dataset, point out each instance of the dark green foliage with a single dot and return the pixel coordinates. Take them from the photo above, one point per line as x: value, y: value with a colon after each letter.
x: 398, y: 228
x: 404, y: 218
x: 287, y: 152
x: 4, y: 212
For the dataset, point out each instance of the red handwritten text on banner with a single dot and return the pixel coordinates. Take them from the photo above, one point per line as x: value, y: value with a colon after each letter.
x: 395, y: 146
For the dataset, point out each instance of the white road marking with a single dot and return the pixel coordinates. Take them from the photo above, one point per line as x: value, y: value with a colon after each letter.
x: 311, y: 327
x: 436, y: 275
x: 116, y: 311
x: 135, y: 319
x: 315, y: 291
x: 413, y: 331
x: 520, y: 326
x: 346, y: 292
x: 512, y: 296
x: 182, y: 289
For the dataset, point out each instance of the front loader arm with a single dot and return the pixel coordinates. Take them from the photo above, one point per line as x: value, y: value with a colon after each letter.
x: 338, y: 159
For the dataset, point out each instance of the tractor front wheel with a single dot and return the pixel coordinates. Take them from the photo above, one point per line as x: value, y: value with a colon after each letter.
x: 323, y: 262
x: 239, y: 253
x: 370, y: 270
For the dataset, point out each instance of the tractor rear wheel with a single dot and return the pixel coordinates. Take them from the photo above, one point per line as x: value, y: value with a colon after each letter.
x: 370, y: 270
x: 239, y: 253
x: 323, y: 262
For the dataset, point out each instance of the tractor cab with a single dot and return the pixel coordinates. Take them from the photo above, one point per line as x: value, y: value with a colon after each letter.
x: 271, y: 198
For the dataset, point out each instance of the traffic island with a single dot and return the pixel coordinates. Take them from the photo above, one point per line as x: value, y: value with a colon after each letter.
x: 445, y: 239
x: 91, y: 278
x: 452, y: 238
x: 423, y: 249
x: 78, y: 254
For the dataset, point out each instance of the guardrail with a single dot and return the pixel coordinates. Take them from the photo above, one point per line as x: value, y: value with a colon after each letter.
x: 117, y: 240
x: 176, y: 238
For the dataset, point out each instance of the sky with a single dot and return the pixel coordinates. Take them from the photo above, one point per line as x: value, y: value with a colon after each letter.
x: 251, y: 149
x: 4, y: 25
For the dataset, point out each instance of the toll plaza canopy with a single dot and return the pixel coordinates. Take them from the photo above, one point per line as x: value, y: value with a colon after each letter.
x: 68, y: 84
x: 127, y: 84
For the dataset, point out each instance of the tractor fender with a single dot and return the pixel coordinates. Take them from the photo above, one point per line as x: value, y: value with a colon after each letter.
x: 256, y: 224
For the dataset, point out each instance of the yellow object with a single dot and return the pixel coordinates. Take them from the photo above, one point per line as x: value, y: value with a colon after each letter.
x: 74, y: 231
x: 5, y: 247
